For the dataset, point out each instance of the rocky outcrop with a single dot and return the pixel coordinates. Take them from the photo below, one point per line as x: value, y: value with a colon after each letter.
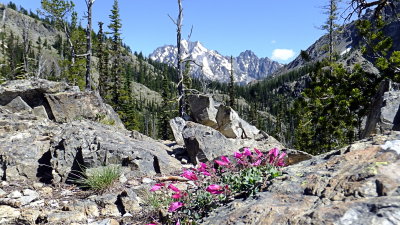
x: 357, y: 184
x: 34, y: 148
x: 384, y: 114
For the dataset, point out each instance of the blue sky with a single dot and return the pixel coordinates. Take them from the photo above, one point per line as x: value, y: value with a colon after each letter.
x: 277, y: 29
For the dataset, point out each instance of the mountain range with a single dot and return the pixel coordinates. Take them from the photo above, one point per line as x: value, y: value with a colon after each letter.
x: 211, y: 65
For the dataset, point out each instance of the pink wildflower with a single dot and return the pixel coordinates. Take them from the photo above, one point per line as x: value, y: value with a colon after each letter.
x: 202, y: 167
x: 173, y: 188
x: 189, y: 175
x: 178, y: 222
x: 215, y: 189
x: 206, y: 173
x: 174, y: 206
x: 237, y: 155
x: 259, y: 153
x: 221, y: 163
x: 273, y: 154
x: 257, y: 163
x: 157, y: 187
x: 281, y: 160
x: 225, y: 159
x: 177, y: 195
x: 247, y: 152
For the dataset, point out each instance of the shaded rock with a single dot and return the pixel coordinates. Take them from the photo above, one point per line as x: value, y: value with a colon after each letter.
x: 18, y: 105
x: 203, y: 110
x: 70, y: 106
x: 177, y: 124
x: 358, y: 184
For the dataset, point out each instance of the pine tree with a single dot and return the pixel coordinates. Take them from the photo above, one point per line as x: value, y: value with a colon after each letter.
x: 331, y: 26
x: 102, y: 54
x: 116, y: 68
x: 59, y: 11
x: 231, y: 86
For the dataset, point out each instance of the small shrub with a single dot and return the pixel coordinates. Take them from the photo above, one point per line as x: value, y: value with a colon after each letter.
x: 101, y: 178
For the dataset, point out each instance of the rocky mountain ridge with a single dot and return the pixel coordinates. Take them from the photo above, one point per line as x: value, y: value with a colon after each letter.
x: 216, y: 67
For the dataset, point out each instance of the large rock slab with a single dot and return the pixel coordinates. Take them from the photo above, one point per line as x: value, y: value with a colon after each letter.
x: 70, y: 106
x: 203, y: 110
x: 89, y: 144
x: 358, y: 184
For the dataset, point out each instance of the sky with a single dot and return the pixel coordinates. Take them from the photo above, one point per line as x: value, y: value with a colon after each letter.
x: 277, y: 29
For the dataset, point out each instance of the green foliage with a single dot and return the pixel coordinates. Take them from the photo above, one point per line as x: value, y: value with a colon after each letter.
x: 58, y: 10
x: 330, y: 113
x: 379, y: 47
x: 101, y: 178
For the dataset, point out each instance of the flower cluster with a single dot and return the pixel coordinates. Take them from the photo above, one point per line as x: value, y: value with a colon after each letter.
x: 214, y: 183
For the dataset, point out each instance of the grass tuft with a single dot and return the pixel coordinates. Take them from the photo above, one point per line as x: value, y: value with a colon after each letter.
x: 100, y: 178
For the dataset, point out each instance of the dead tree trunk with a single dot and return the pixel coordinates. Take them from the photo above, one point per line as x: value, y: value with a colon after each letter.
x: 89, y: 4
x: 181, y: 85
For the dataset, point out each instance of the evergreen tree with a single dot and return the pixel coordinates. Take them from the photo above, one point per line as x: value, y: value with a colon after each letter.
x: 116, y: 68
x: 232, y: 86
x: 59, y: 11
x: 331, y: 26
x: 102, y: 54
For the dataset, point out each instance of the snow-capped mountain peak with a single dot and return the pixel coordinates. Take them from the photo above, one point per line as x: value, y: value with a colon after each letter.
x: 214, y: 66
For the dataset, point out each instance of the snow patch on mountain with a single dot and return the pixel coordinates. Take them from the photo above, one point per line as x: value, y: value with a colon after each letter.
x: 216, y: 67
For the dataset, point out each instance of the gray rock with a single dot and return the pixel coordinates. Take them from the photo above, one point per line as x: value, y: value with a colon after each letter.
x: 177, y: 124
x: 40, y: 112
x: 43, y: 150
x: 203, y: 110
x: 385, y: 111
x: 15, y: 194
x: 70, y: 106
x: 18, y: 105
x: 228, y: 122
x: 92, y: 145
x: 204, y: 143
x: 2, y: 193
x: 232, y: 126
x: 358, y: 184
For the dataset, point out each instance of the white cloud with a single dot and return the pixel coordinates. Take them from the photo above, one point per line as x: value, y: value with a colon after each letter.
x: 282, y: 54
